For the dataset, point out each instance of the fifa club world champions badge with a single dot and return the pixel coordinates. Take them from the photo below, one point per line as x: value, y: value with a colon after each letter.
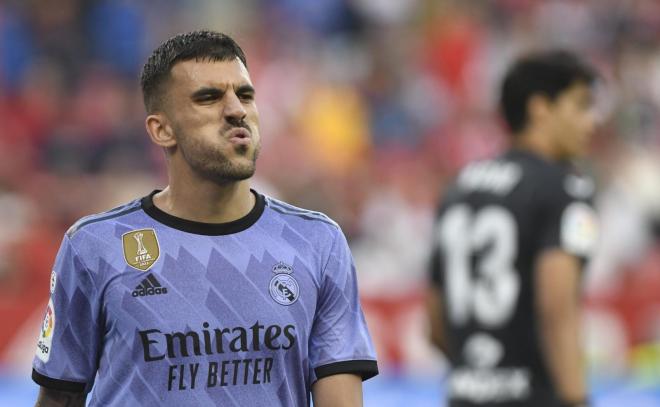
x: 141, y: 249
x: 283, y: 287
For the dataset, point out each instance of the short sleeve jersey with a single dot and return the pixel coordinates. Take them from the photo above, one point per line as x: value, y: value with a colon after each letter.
x: 148, y: 309
x: 494, y: 221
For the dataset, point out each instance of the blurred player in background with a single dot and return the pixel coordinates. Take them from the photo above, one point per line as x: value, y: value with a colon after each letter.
x: 510, y: 242
x: 207, y: 292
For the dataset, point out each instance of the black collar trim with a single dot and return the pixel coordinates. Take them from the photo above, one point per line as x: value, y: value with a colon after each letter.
x: 201, y: 228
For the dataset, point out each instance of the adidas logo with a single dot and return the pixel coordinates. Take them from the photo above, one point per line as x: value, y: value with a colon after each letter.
x: 149, y: 286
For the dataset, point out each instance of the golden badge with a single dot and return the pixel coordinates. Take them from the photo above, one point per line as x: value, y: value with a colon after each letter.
x: 141, y: 248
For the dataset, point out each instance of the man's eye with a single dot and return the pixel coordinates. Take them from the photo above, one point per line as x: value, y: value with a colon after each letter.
x: 246, y: 96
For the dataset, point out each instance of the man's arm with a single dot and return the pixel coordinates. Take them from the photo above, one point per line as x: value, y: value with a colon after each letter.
x: 558, y: 308
x: 57, y: 398
x: 434, y: 313
x: 340, y: 390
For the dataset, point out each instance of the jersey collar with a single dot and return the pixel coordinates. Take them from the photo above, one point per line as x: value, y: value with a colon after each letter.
x: 202, y: 228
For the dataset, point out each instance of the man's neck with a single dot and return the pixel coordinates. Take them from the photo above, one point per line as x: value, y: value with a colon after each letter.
x: 537, y: 143
x: 206, y: 201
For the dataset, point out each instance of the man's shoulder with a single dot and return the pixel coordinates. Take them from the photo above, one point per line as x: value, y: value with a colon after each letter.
x: 520, y: 179
x: 553, y: 174
x: 527, y: 171
x: 307, y: 217
x: 558, y: 181
x: 103, y: 218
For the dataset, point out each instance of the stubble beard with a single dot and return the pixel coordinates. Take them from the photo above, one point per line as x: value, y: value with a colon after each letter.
x: 213, y: 165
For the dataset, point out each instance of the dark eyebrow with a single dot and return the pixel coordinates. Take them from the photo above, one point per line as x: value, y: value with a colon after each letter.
x: 205, y: 92
x: 246, y: 89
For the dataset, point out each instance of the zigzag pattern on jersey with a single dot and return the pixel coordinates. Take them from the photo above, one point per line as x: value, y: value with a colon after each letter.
x: 287, y: 209
x: 97, y: 217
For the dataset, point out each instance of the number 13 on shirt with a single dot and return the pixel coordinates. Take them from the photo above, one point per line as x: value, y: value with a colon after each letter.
x: 487, y: 288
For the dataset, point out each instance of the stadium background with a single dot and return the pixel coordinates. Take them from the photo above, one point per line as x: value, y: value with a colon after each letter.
x: 368, y: 107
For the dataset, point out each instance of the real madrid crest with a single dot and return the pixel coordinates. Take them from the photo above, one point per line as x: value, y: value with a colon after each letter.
x: 141, y: 248
x: 283, y: 287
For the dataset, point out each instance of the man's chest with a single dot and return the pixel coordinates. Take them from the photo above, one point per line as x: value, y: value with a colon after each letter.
x: 198, y: 299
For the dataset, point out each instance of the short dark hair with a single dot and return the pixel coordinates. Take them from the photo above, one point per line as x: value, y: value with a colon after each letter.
x: 546, y: 73
x: 198, y: 45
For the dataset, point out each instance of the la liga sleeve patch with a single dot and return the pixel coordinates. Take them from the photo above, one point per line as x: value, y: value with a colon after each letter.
x: 45, y: 342
x: 579, y: 229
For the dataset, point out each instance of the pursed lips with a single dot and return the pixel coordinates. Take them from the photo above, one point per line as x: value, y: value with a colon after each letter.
x: 239, y: 135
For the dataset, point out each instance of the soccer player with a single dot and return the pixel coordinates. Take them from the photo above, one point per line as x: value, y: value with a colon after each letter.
x: 511, y: 237
x: 206, y: 292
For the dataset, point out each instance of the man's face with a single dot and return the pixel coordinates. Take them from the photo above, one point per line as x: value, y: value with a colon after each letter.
x: 211, y: 108
x: 572, y: 121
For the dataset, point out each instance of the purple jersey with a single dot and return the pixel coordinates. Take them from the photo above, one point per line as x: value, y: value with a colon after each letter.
x: 149, y: 309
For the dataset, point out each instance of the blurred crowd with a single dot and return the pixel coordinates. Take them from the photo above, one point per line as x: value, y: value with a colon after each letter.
x: 367, y: 109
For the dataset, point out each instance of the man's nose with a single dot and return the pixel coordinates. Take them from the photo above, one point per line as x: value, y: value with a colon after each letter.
x: 234, y: 109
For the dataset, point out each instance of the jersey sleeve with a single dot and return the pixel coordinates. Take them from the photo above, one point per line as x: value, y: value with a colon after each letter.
x: 340, y: 341
x: 569, y: 222
x: 68, y: 344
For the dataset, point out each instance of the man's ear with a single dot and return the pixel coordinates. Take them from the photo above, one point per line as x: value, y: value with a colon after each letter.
x: 538, y: 108
x: 160, y: 131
